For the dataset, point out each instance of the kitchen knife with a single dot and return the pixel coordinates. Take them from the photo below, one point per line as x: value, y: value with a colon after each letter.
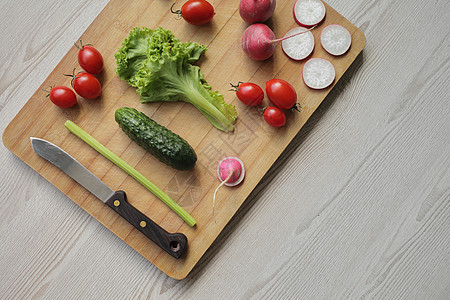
x: 173, y: 243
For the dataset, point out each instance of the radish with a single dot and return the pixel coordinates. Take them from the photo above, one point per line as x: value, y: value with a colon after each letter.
x: 231, y: 172
x: 335, y: 39
x: 253, y: 11
x: 318, y: 73
x: 308, y: 13
x: 258, y: 41
x: 298, y: 47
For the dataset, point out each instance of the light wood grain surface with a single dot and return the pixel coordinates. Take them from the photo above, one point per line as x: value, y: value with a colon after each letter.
x: 192, y: 189
x: 358, y: 206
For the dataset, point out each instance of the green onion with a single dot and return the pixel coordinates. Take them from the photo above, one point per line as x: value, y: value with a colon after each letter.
x: 86, y: 137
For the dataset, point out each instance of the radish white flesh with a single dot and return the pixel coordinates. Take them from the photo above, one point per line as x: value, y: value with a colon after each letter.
x: 335, y: 39
x: 318, y: 73
x: 300, y: 46
x: 309, y: 12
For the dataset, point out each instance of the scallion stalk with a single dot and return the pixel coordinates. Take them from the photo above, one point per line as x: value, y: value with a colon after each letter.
x: 86, y: 137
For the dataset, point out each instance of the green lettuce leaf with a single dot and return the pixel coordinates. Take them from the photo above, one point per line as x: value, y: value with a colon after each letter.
x: 160, y: 66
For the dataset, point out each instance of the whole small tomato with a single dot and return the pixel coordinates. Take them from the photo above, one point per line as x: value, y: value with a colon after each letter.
x: 90, y: 58
x: 249, y: 93
x: 196, y: 12
x: 282, y: 94
x: 62, y: 96
x: 274, y: 116
x: 86, y: 85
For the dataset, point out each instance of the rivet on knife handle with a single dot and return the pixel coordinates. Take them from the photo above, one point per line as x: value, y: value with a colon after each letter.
x: 173, y: 243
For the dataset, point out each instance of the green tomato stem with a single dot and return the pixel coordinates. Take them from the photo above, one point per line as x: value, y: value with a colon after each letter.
x: 83, y: 135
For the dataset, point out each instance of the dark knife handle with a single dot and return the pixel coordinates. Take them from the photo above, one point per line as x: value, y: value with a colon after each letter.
x: 173, y: 243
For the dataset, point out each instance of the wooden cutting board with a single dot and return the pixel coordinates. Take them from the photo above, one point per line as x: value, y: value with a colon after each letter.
x: 257, y: 144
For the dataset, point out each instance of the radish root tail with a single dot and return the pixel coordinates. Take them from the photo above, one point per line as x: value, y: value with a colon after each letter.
x: 288, y: 37
x: 220, y: 185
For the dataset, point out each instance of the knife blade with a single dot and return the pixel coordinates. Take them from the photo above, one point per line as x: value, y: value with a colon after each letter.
x: 173, y: 243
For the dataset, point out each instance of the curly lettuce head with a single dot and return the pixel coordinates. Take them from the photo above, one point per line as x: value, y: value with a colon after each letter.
x: 160, y: 66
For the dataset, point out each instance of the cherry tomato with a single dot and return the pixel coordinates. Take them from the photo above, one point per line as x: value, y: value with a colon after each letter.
x: 90, y: 59
x: 62, y: 96
x: 274, y: 116
x: 196, y: 12
x: 86, y: 85
x: 249, y: 93
x: 281, y: 93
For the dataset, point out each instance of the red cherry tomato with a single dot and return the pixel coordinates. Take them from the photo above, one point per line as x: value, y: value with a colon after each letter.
x: 249, y: 93
x: 90, y: 59
x: 86, y: 85
x: 274, y: 116
x: 62, y: 96
x: 281, y: 93
x: 196, y: 12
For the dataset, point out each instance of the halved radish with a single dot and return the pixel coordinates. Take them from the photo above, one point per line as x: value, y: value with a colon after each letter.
x: 309, y: 12
x: 318, y: 73
x: 335, y: 39
x: 300, y: 46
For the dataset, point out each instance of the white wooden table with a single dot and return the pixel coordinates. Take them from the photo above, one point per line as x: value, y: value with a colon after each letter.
x: 357, y: 207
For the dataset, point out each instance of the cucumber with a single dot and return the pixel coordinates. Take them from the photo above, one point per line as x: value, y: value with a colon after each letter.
x: 164, y: 144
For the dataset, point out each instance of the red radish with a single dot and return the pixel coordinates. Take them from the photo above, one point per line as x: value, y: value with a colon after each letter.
x: 318, y: 73
x: 335, y: 39
x: 300, y: 46
x: 253, y: 11
x: 308, y: 13
x: 258, y: 41
x: 231, y: 172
